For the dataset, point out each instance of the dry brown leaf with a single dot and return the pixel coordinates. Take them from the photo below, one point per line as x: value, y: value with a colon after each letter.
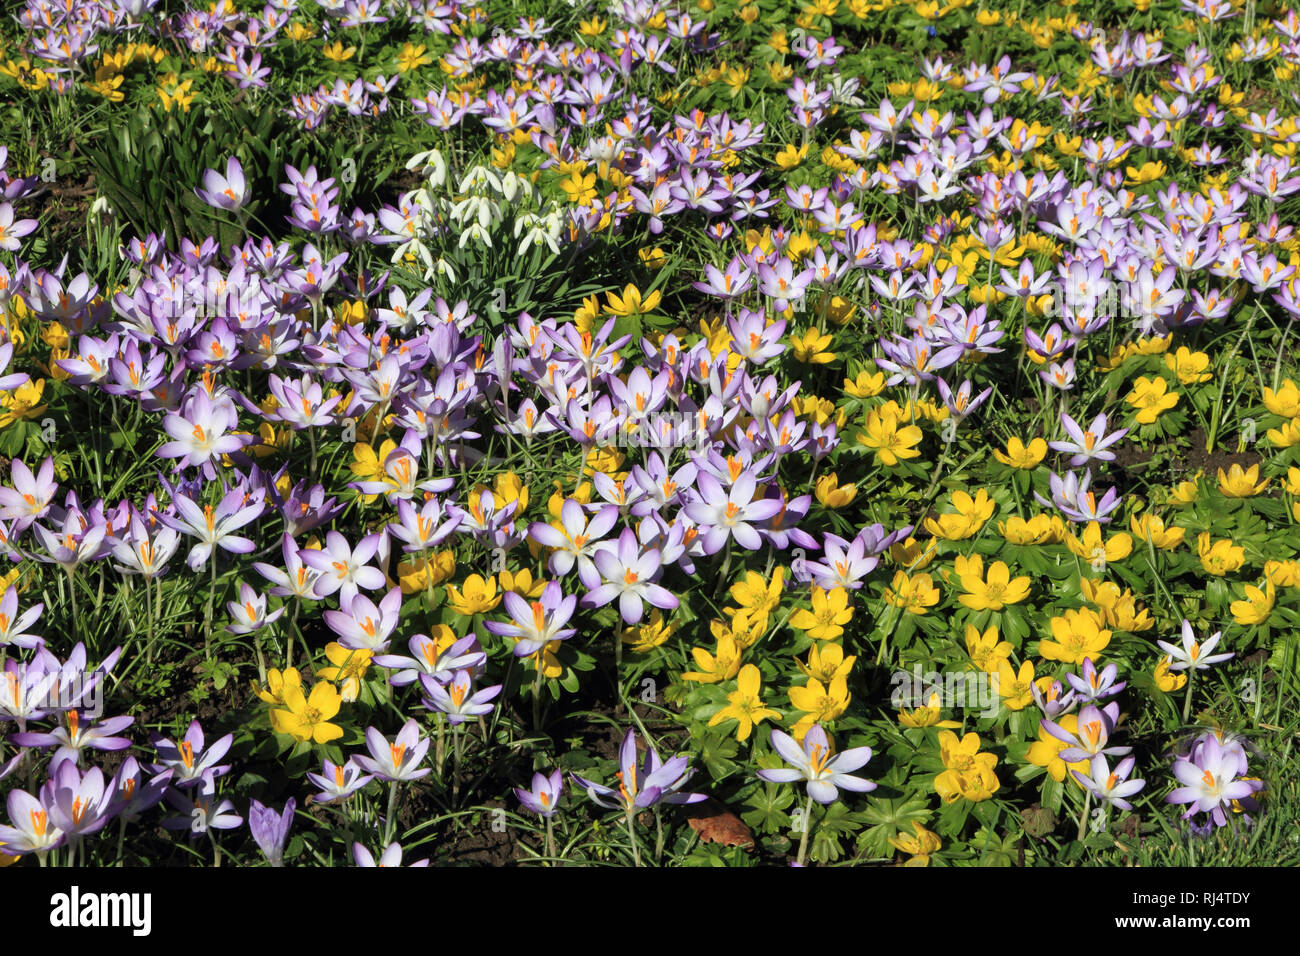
x: 716, y: 824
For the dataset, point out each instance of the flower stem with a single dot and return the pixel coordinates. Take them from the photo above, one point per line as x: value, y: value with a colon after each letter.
x: 1187, y: 698
x: 207, y: 616
x: 390, y: 821
x: 550, y: 838
x: 1083, y: 817
x: 807, y: 827
x: 631, y: 835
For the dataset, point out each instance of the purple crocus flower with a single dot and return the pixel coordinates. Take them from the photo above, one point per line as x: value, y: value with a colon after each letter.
x: 1095, y: 725
x: 629, y: 575
x: 338, y: 782
x: 270, y: 829
x: 644, y: 786
x: 391, y: 857
x: 365, y: 626
x: 1210, y: 775
x: 1092, y: 685
x: 203, y: 811
x: 535, y: 624
x: 1084, y: 446
x: 295, y: 579
x: 575, y: 541
x: 249, y: 612
x: 131, y: 795
x: 1110, y: 787
x: 188, y: 761
x: 813, y: 762
x: 78, y: 735
x: 1193, y: 655
x: 543, y: 798
x: 201, y: 432
x: 723, y: 514
x: 398, y: 760
x: 30, y: 496
x: 79, y: 805
x: 344, y: 568
x: 457, y: 699
x: 213, y: 526
x: 13, y: 626
x: 225, y: 192
x: 32, y: 830
x: 1070, y: 496
x: 427, y: 661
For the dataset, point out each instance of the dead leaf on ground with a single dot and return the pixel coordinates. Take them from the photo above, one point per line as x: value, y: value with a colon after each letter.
x: 716, y: 824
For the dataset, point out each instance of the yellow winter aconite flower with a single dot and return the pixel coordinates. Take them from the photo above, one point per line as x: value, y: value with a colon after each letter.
x: 300, y: 32
x: 1022, y: 456
x: 650, y: 633
x: 866, y: 385
x: 652, y: 258
x: 1036, y: 530
x: 820, y: 702
x: 757, y: 596
x: 994, y: 592
x: 1256, y: 607
x: 475, y: 596
x: 1150, y: 528
x: 22, y: 403
x: 832, y: 494
x: 349, y: 667
x: 1219, y: 557
x: 1241, y: 483
x: 1190, y: 367
x: 969, y: 774
x: 826, y: 662
x: 1075, y: 635
x: 811, y: 347
x: 420, y: 573
x: 1146, y: 173
x: 715, y: 667
x: 307, y: 718
x: 919, y: 847
x: 911, y: 556
x: 1046, y: 750
x: 741, y: 626
x: 925, y: 715
x: 276, y: 682
x: 889, y: 438
x: 1169, y: 680
x: 985, y: 650
x: 522, y: 583
x: 1285, y: 435
x: 412, y: 57
x: 510, y: 488
x: 1091, y: 547
x: 631, y: 301
x: 915, y: 594
x: 968, y: 518
x: 579, y: 189
x: 1282, y: 574
x: 745, y: 704
x: 1186, y: 492
x: 1016, y: 688
x: 790, y: 156
x: 1292, y: 484
x: 830, y: 611
x: 1152, y: 398
x: 1285, y: 401
x: 337, y: 52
